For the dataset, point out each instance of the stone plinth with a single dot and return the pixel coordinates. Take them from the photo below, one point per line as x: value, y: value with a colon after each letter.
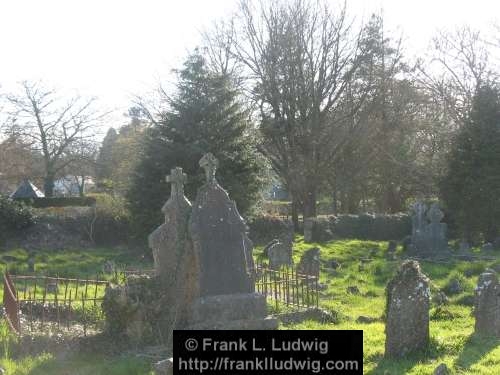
x: 232, y: 311
x: 407, y: 311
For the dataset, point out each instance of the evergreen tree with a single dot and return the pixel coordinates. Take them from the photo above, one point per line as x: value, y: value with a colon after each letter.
x: 203, y: 116
x: 471, y: 187
x: 105, y: 163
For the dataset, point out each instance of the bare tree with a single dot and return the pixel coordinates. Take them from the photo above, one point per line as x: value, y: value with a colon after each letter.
x: 298, y: 60
x: 52, y: 125
x: 459, y: 63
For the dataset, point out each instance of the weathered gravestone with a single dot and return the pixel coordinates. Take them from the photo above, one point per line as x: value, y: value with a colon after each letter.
x: 219, y: 234
x: 407, y: 311
x: 220, y: 239
x: 309, y: 263
x: 487, y: 304
x: 279, y: 251
x: 169, y: 239
x: 428, y: 233
x: 176, y: 266
x: 147, y: 309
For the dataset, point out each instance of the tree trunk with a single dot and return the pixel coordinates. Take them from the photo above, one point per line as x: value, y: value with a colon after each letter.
x: 48, y: 185
x: 310, y: 202
x: 295, y: 215
x: 81, y: 186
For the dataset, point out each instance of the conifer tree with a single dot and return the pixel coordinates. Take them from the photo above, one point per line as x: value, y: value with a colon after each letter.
x: 471, y: 186
x: 203, y: 116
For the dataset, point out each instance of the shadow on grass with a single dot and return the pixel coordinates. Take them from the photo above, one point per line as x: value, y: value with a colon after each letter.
x: 476, y: 347
x: 404, y: 364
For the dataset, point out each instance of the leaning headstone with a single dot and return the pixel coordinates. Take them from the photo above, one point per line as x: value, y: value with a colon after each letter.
x: 487, y: 304
x: 280, y: 253
x: 407, y: 311
x: 220, y: 239
x: 309, y: 263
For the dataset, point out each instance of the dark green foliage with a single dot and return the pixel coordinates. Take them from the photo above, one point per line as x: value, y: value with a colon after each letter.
x: 105, y: 162
x: 264, y: 229
x: 204, y: 116
x: 471, y: 186
x: 14, y: 217
x: 59, y: 202
x: 111, y: 224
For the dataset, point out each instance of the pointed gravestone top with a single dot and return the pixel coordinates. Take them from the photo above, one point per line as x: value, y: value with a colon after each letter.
x: 219, y: 237
x: 209, y: 163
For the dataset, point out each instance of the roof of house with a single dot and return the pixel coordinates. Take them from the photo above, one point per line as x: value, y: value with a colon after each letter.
x: 27, y: 190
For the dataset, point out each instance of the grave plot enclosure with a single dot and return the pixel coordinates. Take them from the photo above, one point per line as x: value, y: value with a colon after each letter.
x: 38, y: 302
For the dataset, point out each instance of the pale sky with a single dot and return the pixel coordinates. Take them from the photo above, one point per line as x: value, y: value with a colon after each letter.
x: 113, y: 49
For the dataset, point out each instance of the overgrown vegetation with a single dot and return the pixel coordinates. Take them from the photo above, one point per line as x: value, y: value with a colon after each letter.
x: 14, y: 217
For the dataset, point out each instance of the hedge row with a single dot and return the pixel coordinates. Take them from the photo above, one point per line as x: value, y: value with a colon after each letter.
x: 364, y: 226
x: 58, y: 202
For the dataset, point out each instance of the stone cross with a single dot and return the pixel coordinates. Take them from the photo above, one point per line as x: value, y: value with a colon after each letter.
x: 177, y: 179
x: 209, y: 163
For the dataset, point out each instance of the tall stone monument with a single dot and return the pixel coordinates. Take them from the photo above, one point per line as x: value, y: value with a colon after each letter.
x: 219, y: 235
x: 220, y: 239
x: 487, y: 304
x: 407, y: 311
x: 169, y: 239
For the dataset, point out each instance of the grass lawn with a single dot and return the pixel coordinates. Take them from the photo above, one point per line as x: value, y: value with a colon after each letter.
x: 452, y: 339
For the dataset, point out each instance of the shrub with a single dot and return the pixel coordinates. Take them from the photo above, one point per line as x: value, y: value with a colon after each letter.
x: 110, y: 224
x: 14, y: 217
x: 58, y: 202
x: 372, y: 227
x: 265, y: 228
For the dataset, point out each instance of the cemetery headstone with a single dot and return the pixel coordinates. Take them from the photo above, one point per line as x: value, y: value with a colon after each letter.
x: 487, y: 304
x: 169, y: 239
x: 429, y: 237
x: 279, y: 254
x: 219, y: 234
x: 407, y: 311
x: 309, y: 263
x: 220, y: 239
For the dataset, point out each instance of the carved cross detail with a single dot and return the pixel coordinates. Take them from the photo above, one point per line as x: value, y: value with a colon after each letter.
x: 209, y: 163
x: 177, y: 179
